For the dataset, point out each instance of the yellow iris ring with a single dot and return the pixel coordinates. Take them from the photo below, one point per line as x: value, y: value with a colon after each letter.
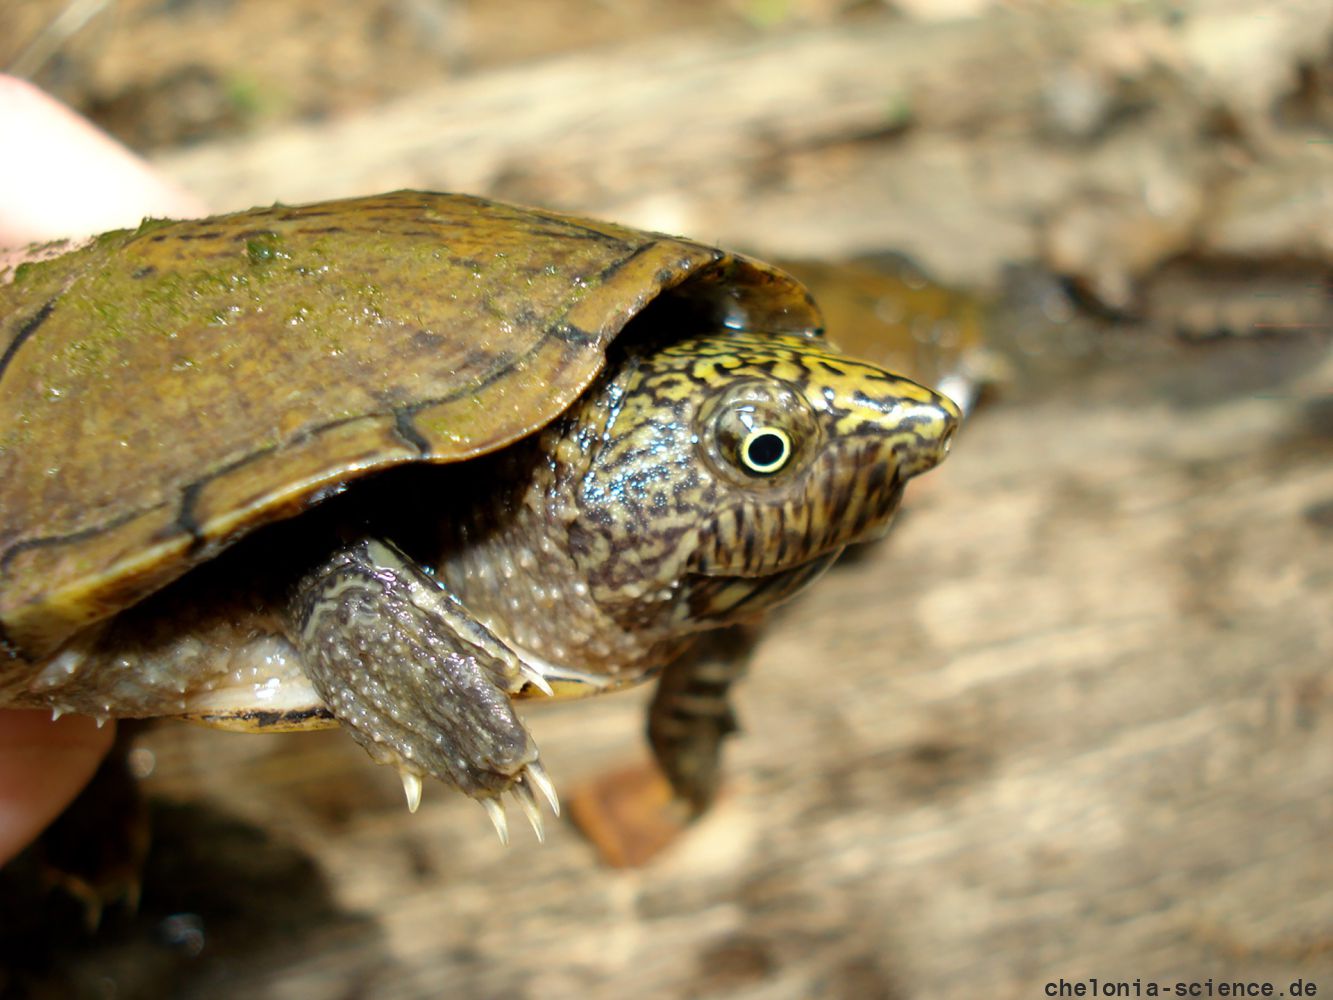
x: 773, y: 465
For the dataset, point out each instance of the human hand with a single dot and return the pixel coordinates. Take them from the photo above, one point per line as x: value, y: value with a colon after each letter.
x: 59, y: 177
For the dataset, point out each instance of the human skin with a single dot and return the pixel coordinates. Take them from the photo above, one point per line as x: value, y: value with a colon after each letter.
x: 59, y: 178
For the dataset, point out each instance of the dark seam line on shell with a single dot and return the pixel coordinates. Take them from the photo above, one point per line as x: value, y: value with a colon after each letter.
x: 405, y: 429
x: 566, y: 224
x: 561, y: 330
x: 250, y: 234
x: 610, y: 270
x: 500, y: 209
x: 196, y: 487
x: 254, y: 456
x: 591, y: 236
x: 74, y: 536
x: 210, y: 235
x: 198, y: 484
x: 25, y: 331
x: 427, y: 198
x: 185, y: 519
x: 572, y: 334
x: 488, y: 379
x: 557, y: 331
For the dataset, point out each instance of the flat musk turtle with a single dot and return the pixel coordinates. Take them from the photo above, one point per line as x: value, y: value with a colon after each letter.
x: 392, y: 462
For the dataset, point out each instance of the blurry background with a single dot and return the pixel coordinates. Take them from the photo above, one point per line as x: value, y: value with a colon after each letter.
x: 1071, y: 720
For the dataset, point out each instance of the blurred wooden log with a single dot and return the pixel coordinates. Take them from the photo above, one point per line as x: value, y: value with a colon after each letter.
x: 1074, y: 719
x: 1091, y: 134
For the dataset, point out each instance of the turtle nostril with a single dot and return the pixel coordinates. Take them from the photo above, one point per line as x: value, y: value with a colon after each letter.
x: 946, y: 441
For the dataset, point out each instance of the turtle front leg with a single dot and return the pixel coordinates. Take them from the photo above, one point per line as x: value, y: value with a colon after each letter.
x: 691, y: 713
x: 420, y: 683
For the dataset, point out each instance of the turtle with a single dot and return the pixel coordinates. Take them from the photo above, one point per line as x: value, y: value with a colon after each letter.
x: 396, y: 463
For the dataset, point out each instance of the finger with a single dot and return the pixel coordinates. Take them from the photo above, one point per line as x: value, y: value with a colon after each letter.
x: 60, y: 176
x: 43, y: 765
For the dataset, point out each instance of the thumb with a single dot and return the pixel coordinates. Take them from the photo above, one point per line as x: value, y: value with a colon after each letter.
x: 43, y: 765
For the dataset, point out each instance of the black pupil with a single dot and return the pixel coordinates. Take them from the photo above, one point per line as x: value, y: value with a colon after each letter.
x: 765, y: 449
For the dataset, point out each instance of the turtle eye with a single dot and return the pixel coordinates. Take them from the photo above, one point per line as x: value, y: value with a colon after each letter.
x: 759, y: 431
x: 765, y: 450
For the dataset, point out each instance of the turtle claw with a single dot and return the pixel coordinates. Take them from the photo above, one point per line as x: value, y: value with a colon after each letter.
x: 496, y: 812
x: 537, y: 775
x: 411, y: 789
x: 532, y: 776
x: 528, y: 803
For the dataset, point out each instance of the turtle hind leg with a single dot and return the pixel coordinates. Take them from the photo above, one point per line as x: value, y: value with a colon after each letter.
x: 633, y: 814
x: 96, y: 849
x: 691, y: 713
x: 419, y: 683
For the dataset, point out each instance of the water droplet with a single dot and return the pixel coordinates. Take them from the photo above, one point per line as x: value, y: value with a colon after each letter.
x: 184, y: 931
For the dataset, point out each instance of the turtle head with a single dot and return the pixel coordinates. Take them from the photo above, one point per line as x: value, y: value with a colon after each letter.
x: 735, y: 466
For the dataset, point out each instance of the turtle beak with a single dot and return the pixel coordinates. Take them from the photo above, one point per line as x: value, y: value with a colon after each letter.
x: 903, y: 430
x: 932, y: 420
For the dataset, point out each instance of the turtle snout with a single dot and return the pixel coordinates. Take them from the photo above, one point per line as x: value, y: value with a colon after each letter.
x: 950, y: 418
x: 927, y: 423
